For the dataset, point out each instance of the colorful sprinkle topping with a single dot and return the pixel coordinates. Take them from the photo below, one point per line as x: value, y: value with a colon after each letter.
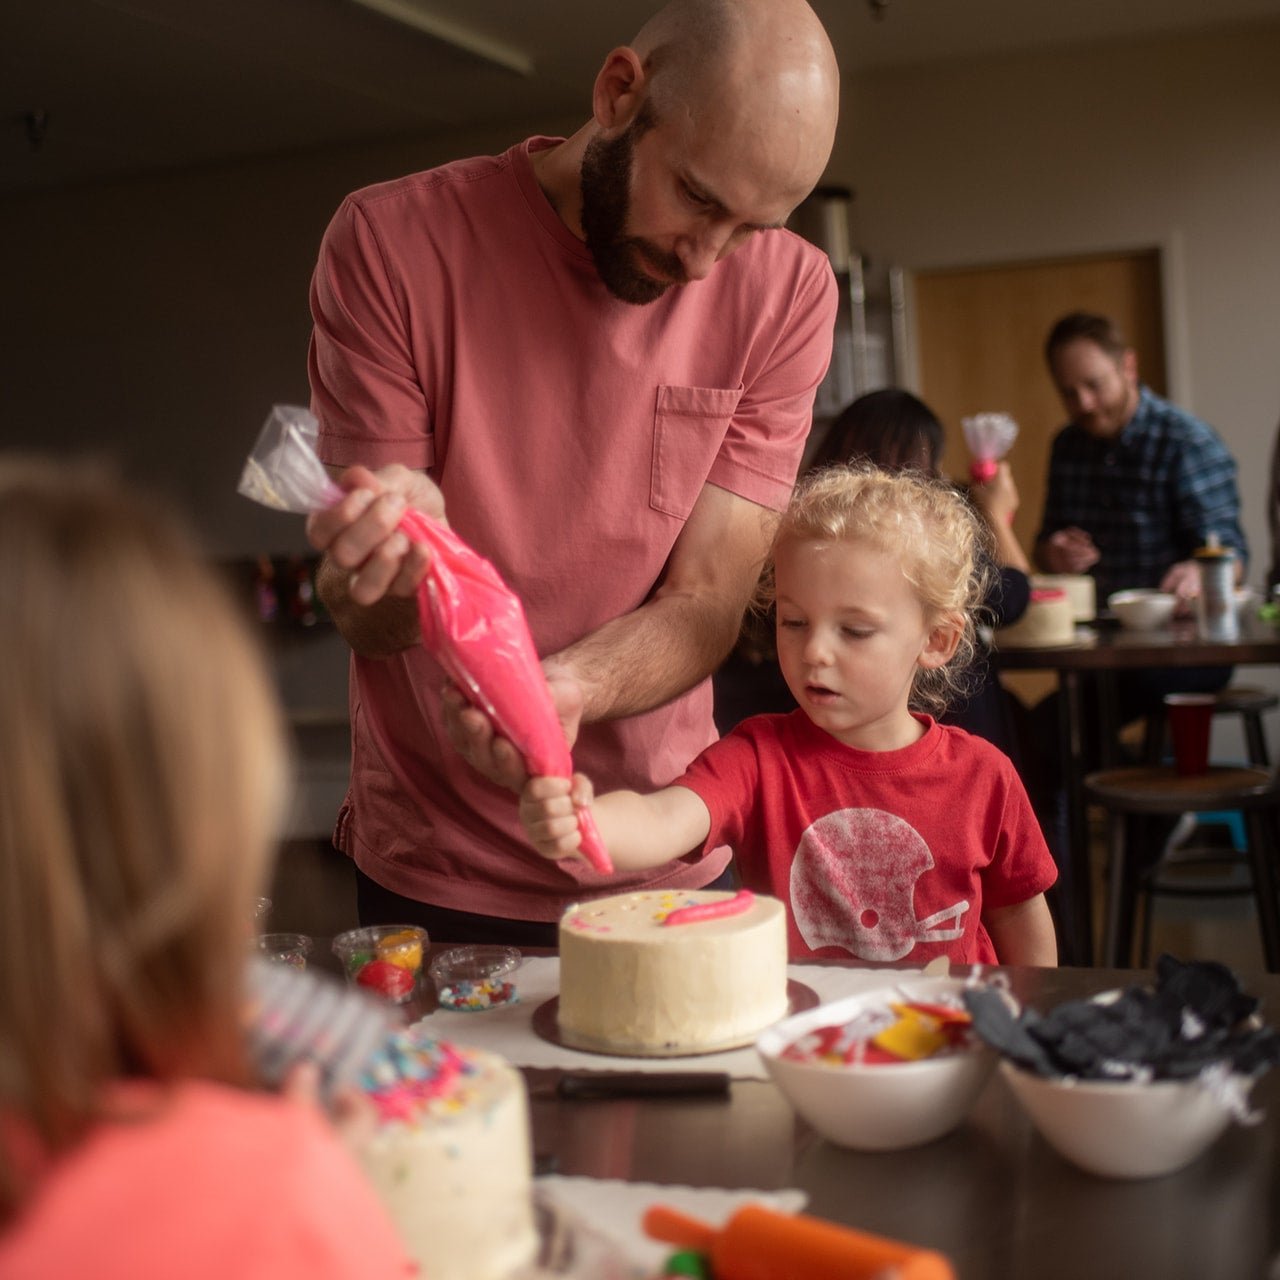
x: 414, y: 1072
x: 469, y: 996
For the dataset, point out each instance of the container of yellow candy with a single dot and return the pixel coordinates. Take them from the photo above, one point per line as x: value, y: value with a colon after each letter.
x: 385, y: 958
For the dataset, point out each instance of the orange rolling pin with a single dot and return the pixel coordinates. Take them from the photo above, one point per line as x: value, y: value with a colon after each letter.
x: 761, y: 1244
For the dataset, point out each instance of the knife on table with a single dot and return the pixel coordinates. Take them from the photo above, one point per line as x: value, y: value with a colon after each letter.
x: 580, y: 1086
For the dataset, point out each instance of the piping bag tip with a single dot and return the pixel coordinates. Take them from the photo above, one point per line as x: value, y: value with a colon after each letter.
x: 592, y: 845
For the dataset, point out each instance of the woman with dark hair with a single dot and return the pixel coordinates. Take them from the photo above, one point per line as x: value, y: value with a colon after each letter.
x: 891, y: 428
x: 897, y: 431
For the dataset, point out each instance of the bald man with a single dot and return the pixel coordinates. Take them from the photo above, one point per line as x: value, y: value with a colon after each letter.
x: 596, y: 357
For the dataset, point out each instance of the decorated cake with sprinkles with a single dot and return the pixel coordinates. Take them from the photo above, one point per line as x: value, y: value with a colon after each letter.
x: 669, y: 972
x: 451, y: 1158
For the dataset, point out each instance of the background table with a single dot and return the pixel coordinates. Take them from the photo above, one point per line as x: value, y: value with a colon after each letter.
x: 1090, y: 667
x: 991, y: 1195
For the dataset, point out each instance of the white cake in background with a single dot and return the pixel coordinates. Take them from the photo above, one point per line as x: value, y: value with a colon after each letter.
x: 1049, y: 620
x: 632, y: 984
x: 451, y: 1158
x: 1081, y: 591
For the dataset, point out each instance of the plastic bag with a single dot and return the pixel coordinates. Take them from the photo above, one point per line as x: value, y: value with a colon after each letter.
x: 472, y: 623
x: 283, y: 470
x: 989, y: 437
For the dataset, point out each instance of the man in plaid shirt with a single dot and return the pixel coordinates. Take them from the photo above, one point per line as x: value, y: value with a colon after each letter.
x: 1135, y: 484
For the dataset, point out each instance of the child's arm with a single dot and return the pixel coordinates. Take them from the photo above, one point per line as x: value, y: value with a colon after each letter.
x: 1023, y: 933
x: 639, y: 831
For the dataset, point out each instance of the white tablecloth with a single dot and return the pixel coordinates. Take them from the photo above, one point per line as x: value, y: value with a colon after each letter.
x: 509, y: 1030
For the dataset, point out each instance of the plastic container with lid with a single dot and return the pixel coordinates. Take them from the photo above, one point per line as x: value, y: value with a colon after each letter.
x: 473, y: 979
x: 290, y: 949
x: 385, y: 959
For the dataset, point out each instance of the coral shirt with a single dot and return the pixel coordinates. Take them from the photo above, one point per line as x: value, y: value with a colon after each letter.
x: 215, y: 1183
x: 462, y: 329
x: 879, y: 855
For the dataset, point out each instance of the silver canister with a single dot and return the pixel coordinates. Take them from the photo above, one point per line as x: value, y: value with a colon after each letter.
x: 1216, y: 605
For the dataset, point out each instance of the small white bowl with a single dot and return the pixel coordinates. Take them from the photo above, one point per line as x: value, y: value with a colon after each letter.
x: 1121, y: 1129
x: 882, y: 1106
x: 1142, y: 610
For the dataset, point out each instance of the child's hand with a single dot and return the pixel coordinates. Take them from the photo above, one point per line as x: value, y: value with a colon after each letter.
x: 351, y: 1112
x: 549, y: 811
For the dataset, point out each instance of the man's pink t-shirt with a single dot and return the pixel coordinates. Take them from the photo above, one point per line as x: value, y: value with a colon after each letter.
x: 207, y: 1183
x: 462, y: 329
x: 879, y: 855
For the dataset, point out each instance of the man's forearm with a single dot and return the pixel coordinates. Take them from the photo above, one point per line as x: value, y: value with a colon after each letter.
x: 375, y: 631
x: 645, y: 658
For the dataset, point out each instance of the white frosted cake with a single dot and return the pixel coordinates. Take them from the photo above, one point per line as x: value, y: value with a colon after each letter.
x: 636, y: 977
x: 1049, y: 620
x: 1080, y: 588
x: 451, y: 1158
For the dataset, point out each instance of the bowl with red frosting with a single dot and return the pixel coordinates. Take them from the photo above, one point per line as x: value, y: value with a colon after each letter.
x: 892, y: 1067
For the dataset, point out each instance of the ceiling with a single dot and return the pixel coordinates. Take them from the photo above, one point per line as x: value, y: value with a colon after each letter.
x: 93, y: 90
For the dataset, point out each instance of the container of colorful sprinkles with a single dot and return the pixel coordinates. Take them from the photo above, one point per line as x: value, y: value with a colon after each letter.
x: 473, y: 979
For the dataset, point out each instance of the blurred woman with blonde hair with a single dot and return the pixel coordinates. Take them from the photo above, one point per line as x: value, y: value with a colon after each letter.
x: 142, y: 772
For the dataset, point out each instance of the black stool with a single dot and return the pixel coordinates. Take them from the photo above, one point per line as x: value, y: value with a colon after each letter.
x: 1192, y: 870
x: 1162, y: 792
x: 1242, y: 700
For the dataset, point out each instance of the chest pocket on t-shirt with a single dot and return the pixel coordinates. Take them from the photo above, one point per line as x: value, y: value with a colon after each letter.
x: 688, y: 428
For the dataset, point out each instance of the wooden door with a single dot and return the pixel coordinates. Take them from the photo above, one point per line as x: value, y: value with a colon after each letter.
x: 980, y: 335
x: 980, y: 338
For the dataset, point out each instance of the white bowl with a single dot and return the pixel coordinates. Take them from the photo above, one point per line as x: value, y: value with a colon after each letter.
x: 1121, y: 1129
x: 1143, y: 610
x: 883, y: 1106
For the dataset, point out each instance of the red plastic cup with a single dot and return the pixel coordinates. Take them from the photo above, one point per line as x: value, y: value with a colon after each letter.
x: 1190, y: 717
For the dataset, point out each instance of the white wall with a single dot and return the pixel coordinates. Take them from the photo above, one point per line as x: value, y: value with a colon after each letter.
x: 159, y: 319
x: 1172, y: 143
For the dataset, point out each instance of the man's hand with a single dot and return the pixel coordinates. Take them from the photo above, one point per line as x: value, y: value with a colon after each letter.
x: 1183, y: 580
x: 1069, y: 551
x: 475, y: 738
x: 359, y: 534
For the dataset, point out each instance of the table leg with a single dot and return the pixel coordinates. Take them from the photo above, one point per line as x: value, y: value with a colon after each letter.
x: 1071, y: 728
x: 1115, y: 894
x: 1107, y: 701
x: 1263, y: 832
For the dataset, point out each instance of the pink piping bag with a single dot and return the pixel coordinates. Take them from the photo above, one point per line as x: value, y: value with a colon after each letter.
x: 989, y: 437
x: 472, y: 623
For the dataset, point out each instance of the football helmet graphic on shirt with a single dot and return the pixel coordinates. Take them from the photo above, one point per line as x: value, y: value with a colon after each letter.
x: 853, y: 881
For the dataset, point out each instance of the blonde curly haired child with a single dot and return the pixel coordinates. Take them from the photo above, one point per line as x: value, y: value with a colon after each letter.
x: 888, y: 836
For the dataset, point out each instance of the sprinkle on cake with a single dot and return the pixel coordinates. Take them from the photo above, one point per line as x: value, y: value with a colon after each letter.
x: 414, y: 1074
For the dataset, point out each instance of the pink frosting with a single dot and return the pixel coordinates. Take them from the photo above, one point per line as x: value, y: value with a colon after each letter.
x: 735, y: 906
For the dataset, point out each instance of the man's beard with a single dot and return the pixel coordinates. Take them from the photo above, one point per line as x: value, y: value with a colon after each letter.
x: 606, y: 202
